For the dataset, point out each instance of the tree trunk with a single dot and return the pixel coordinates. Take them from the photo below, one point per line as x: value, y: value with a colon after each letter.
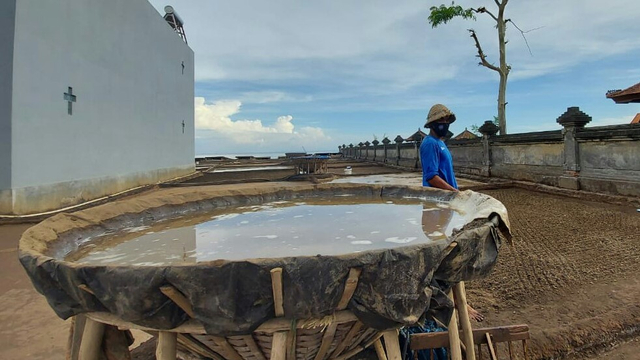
x: 504, y: 70
x: 502, y: 104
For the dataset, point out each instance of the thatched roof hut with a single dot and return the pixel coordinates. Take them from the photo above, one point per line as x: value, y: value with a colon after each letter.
x: 416, y: 136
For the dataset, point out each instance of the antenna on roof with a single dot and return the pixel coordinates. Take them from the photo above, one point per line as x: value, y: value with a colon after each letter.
x: 172, y: 18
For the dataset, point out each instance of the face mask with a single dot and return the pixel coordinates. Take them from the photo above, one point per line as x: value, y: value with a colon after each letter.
x: 440, y: 129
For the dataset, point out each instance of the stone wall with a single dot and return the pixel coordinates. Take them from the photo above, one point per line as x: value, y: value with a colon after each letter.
x: 598, y: 159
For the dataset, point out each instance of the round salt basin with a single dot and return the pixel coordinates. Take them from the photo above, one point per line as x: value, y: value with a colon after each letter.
x: 119, y: 256
x: 336, y: 226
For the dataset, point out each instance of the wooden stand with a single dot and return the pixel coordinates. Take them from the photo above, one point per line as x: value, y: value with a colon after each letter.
x: 339, y: 336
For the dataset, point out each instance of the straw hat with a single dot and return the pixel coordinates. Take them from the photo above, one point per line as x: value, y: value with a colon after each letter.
x: 437, y: 112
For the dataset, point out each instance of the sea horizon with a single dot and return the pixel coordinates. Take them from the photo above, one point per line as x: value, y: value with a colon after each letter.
x: 271, y: 154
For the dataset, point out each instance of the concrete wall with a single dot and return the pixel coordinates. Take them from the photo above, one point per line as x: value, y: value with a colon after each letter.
x: 610, y: 159
x: 599, y: 159
x: 124, y: 63
x: 7, y: 23
x: 392, y: 154
x: 531, y: 162
x: 468, y: 156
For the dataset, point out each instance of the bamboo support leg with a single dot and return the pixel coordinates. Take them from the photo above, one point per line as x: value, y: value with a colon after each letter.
x: 392, y: 344
x: 177, y: 297
x: 276, y: 286
x: 379, y: 350
x: 91, y: 344
x: 75, y: 337
x: 454, y: 337
x: 279, y: 346
x: 465, y: 323
x: 167, y: 346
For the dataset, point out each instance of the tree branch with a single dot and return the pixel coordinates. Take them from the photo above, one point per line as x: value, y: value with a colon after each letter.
x: 481, y: 55
x: 484, y: 10
x: 524, y: 32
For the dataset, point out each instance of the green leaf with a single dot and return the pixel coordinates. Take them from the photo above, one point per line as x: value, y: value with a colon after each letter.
x: 443, y: 14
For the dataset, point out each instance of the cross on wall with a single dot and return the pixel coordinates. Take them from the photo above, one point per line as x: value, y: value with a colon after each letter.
x: 70, y: 98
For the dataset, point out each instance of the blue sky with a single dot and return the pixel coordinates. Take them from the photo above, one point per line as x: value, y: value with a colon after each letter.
x: 280, y: 75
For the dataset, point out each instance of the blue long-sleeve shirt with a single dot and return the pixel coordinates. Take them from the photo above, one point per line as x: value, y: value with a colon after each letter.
x: 436, y: 160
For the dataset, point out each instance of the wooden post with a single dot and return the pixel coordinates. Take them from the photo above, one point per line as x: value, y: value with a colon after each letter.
x: 454, y: 336
x: 279, y: 341
x: 327, y: 339
x: 279, y: 346
x: 380, y: 350
x: 167, y: 346
x: 75, y: 336
x: 177, y: 297
x: 91, y: 344
x: 392, y: 344
x: 276, y: 286
x: 465, y: 323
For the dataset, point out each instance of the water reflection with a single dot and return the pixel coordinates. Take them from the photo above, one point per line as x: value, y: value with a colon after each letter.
x: 279, y: 229
x: 438, y: 222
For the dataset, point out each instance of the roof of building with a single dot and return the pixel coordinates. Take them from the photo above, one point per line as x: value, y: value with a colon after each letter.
x: 628, y: 95
x: 466, y: 134
x: 416, y: 136
x: 636, y: 120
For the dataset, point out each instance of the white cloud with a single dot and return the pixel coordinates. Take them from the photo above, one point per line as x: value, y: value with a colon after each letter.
x: 360, y: 57
x: 392, y: 42
x: 214, y: 124
x: 611, y: 121
x: 217, y: 116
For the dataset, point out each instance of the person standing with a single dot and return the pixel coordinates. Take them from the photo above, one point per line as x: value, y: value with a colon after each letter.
x: 437, y: 164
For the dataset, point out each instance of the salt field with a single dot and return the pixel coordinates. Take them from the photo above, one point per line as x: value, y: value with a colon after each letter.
x: 254, y: 168
x: 409, y: 179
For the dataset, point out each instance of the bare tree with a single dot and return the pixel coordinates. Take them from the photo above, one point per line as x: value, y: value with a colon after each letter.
x: 443, y: 14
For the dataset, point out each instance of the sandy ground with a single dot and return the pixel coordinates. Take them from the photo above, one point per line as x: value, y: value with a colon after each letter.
x: 29, y: 329
x: 572, y: 275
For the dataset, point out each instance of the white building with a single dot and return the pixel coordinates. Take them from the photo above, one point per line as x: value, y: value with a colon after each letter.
x: 96, y: 97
